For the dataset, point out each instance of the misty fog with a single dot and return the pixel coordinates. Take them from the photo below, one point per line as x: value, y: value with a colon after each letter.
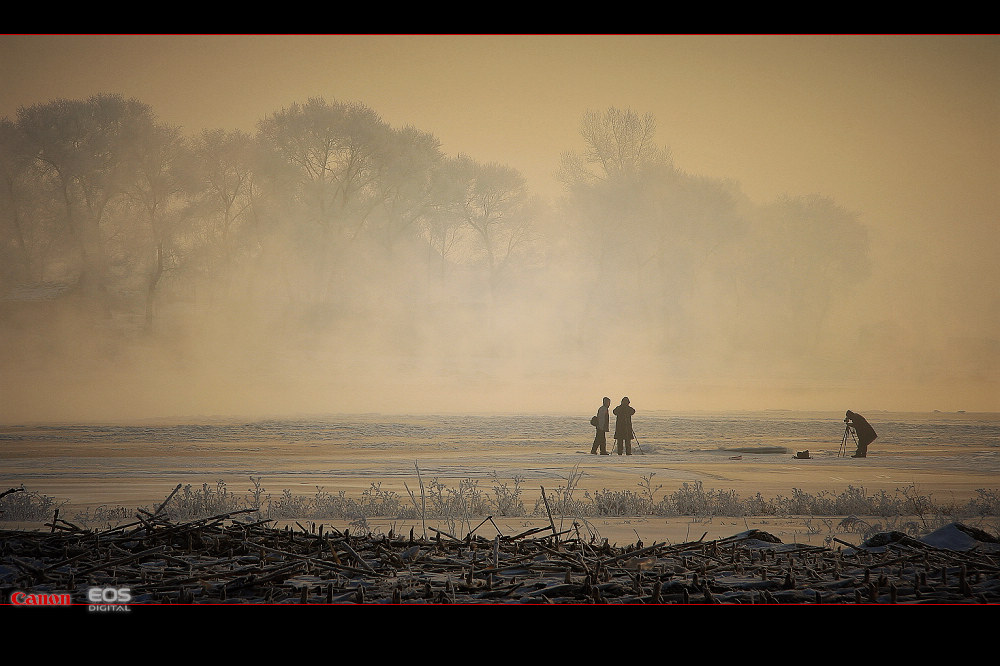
x: 329, y: 262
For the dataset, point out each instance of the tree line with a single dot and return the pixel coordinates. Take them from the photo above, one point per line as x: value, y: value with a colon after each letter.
x: 325, y: 209
x: 99, y: 193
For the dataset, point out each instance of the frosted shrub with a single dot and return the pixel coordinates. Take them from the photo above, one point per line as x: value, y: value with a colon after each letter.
x: 467, y: 500
x: 852, y: 501
x: 726, y: 503
x: 561, y: 501
x: 438, y: 499
x: 987, y: 502
x: 647, y: 489
x: 476, y: 501
x: 290, y: 506
x: 190, y: 503
x: 21, y: 505
x: 800, y: 503
x: 691, y: 500
x: 758, y: 506
x: 857, y: 501
x: 257, y: 495
x: 378, y: 502
x: 887, y: 505
x: 507, y: 501
x: 618, y: 503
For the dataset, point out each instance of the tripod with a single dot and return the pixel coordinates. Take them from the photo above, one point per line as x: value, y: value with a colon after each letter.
x: 848, y: 431
x: 637, y: 443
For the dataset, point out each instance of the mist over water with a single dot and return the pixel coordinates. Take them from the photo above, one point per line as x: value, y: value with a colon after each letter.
x: 375, y: 289
x: 555, y: 342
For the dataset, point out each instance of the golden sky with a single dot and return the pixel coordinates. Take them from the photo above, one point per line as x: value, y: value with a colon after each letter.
x: 903, y: 130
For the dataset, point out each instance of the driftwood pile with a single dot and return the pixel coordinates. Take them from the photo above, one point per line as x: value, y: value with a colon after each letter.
x: 224, y: 560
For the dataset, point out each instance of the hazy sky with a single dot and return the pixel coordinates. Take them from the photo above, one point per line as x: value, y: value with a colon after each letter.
x: 903, y: 130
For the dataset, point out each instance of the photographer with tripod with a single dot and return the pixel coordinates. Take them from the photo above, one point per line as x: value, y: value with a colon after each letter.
x: 623, y: 427
x: 862, y: 429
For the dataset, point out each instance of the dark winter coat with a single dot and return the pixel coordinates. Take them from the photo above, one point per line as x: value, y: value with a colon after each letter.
x: 866, y: 433
x: 623, y: 422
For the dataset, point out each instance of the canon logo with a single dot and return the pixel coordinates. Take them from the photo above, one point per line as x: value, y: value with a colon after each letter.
x: 28, y: 599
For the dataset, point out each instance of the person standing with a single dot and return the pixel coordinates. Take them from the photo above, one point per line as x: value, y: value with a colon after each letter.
x: 602, y: 425
x: 864, y: 431
x: 623, y: 427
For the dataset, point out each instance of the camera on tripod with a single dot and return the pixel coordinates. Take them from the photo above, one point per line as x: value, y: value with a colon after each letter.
x: 849, y: 432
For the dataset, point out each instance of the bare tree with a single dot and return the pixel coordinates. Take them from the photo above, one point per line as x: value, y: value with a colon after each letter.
x: 618, y: 144
x: 649, y: 232
x: 16, y: 224
x: 159, y: 191
x: 321, y: 163
x: 327, y: 155
x: 226, y: 201
x: 403, y: 192
x: 85, y: 148
x: 492, y: 200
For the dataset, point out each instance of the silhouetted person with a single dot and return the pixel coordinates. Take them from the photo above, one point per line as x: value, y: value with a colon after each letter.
x: 623, y: 427
x: 603, y: 423
x: 864, y: 431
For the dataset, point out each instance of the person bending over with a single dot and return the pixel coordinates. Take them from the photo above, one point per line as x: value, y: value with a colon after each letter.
x: 864, y: 431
